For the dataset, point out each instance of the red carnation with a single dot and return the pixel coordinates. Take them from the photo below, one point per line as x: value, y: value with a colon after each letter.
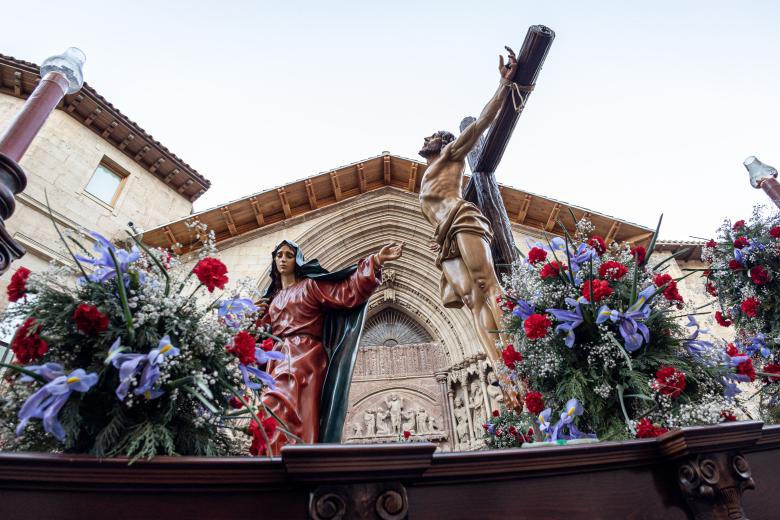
x: 90, y: 320
x: 536, y: 326
x: 243, y: 348
x: 511, y: 356
x: 27, y: 344
x: 711, y: 289
x: 267, y: 344
x: 749, y: 307
x: 734, y: 265
x: 512, y: 431
x: 496, y: 413
x: 741, y: 242
x: 722, y: 320
x: 739, y: 224
x: 731, y: 350
x: 746, y: 368
x: 711, y: 243
x: 407, y: 434
x: 551, y: 270
x: 534, y: 403
x: 647, y: 430
x: 18, y: 286
x: 728, y: 416
x: 775, y: 232
x: 258, y: 440
x: 536, y: 255
x: 671, y: 292
x: 597, y: 243
x: 211, y: 273
x: 601, y: 289
x: 640, y: 253
x: 612, y: 270
x: 235, y: 403
x: 771, y: 368
x: 759, y: 275
x: 669, y: 381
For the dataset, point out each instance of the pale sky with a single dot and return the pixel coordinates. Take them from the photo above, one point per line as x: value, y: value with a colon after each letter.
x: 639, y: 110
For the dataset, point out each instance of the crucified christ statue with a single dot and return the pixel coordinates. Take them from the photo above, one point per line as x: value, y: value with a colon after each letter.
x: 462, y: 237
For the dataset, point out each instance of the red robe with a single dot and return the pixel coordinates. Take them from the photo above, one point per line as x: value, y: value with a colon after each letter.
x: 296, y: 316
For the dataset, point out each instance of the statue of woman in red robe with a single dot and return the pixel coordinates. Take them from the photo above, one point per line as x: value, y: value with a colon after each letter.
x: 319, y: 316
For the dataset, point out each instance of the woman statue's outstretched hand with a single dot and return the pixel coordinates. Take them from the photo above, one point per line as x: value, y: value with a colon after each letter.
x: 392, y: 251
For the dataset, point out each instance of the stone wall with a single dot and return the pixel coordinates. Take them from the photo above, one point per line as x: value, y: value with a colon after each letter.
x: 59, y: 163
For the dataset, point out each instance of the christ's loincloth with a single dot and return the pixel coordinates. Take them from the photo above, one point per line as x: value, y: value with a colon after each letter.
x: 464, y: 217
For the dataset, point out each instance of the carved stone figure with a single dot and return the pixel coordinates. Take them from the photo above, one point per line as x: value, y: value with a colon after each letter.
x: 477, y: 405
x: 432, y: 426
x: 462, y: 234
x: 369, y: 419
x: 422, y: 421
x: 357, y: 429
x: 408, y: 421
x: 382, y: 424
x: 462, y: 427
x: 394, y: 406
x: 495, y: 394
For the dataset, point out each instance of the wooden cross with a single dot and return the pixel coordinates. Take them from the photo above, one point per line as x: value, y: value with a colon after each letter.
x: 482, y: 188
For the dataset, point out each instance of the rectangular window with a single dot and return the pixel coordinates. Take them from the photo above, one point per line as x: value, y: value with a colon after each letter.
x: 105, y: 184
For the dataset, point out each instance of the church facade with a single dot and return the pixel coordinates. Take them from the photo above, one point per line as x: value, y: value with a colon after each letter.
x: 420, y: 367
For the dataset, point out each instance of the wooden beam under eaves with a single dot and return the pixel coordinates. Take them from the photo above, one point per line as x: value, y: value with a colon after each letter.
x: 17, y: 83
x: 257, y: 210
x: 174, y: 244
x: 613, y: 231
x: 361, y: 173
x: 184, y: 186
x: 386, y: 169
x: 311, y: 194
x: 524, y: 209
x: 639, y: 238
x: 126, y: 141
x: 171, y: 175
x: 74, y: 103
x: 156, y: 166
x: 94, y: 115
x: 413, y: 178
x: 553, y: 216
x: 334, y: 182
x: 141, y: 153
x: 285, y: 203
x: 229, y: 220
x: 109, y: 129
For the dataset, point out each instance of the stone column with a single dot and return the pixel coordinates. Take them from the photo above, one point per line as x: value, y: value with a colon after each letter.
x: 441, y: 378
x: 464, y: 386
x: 454, y: 433
x: 483, y: 383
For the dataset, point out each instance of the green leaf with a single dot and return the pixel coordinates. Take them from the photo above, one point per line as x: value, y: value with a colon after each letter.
x: 206, y: 402
x: 620, y: 389
x: 24, y: 371
x: 670, y: 257
x: 654, y: 239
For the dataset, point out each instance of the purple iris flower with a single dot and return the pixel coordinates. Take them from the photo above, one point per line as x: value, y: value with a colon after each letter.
x: 696, y: 347
x: 104, y: 264
x: 48, y: 371
x: 740, y: 257
x: 524, y: 309
x: 232, y: 311
x: 583, y: 254
x: 570, y: 320
x: 630, y: 323
x: 47, y: 402
x: 130, y: 365
x: 549, y: 430
x: 572, y: 410
x: 755, y: 344
x: 261, y: 357
x: 491, y: 429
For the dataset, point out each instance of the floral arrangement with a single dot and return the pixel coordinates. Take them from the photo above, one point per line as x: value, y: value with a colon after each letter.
x: 116, y: 355
x: 509, y: 429
x: 744, y: 276
x: 601, y: 326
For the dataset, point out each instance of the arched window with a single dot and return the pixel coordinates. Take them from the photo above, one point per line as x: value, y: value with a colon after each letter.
x: 391, y: 327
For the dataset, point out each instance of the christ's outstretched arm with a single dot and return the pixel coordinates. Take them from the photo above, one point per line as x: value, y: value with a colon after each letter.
x: 468, y: 138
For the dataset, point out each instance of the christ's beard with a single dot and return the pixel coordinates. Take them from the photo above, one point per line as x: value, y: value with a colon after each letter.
x: 427, y: 152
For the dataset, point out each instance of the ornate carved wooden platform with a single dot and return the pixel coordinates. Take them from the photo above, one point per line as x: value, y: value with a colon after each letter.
x: 692, y: 473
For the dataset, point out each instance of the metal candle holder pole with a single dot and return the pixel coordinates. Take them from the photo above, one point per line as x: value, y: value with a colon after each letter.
x: 60, y: 75
x: 763, y: 176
